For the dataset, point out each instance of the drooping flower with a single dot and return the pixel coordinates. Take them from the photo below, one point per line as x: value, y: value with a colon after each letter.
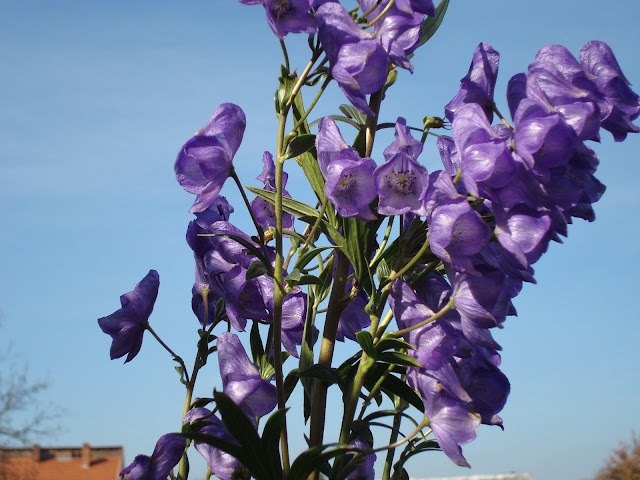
x: 365, y: 470
x: 126, y: 326
x: 401, y: 182
x: 222, y: 464
x: 166, y: 455
x: 286, y: 16
x: 241, y: 378
x: 358, y: 62
x: 205, y: 162
x: 264, y: 211
x: 479, y: 83
x: 598, y: 60
x: 349, y: 178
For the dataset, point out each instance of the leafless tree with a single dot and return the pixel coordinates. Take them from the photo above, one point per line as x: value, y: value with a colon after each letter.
x: 23, y: 417
x: 623, y: 463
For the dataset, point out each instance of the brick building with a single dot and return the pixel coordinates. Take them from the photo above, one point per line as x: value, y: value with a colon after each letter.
x: 61, y: 463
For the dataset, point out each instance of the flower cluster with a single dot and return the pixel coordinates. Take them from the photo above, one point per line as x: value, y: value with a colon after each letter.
x: 469, y: 236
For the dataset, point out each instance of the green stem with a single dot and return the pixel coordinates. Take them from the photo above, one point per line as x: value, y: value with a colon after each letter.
x: 387, y: 234
x: 372, y: 121
x: 411, y: 262
x: 285, y: 55
x: 368, y: 12
x: 381, y: 15
x: 278, y: 296
x: 175, y: 357
x: 313, y: 103
x: 334, y: 310
x: 440, y: 313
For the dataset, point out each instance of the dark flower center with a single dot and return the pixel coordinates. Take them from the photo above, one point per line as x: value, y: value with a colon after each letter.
x: 279, y: 8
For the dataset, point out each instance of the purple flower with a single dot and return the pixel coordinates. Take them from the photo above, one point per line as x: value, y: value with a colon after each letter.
x: 222, y: 464
x: 166, y: 455
x: 624, y: 104
x: 349, y: 178
x: 398, y: 31
x: 401, y: 182
x: 365, y: 470
x: 479, y: 83
x: 205, y: 162
x: 241, y: 378
x: 264, y: 211
x: 126, y: 326
x: 358, y: 62
x: 286, y: 16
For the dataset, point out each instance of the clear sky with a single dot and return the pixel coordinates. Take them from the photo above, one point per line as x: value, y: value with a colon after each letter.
x: 96, y: 98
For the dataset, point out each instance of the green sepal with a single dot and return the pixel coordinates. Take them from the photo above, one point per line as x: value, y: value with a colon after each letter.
x: 431, y: 24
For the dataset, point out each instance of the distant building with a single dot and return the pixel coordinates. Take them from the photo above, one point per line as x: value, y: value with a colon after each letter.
x: 61, y: 463
x: 502, y: 476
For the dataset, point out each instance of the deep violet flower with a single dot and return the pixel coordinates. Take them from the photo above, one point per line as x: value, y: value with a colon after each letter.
x: 601, y: 65
x: 479, y: 83
x: 241, y: 378
x: 358, y: 62
x: 264, y: 211
x: 126, y: 326
x: 222, y: 464
x: 365, y: 470
x: 286, y: 16
x: 166, y: 455
x: 401, y: 182
x: 205, y: 162
x: 349, y: 178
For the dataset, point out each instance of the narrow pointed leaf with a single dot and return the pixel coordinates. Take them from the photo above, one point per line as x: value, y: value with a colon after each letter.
x: 430, y: 25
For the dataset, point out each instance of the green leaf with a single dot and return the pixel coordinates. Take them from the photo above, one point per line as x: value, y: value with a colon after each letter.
x: 270, y: 442
x: 360, y: 243
x: 256, y: 269
x: 399, y: 359
x: 353, y: 113
x: 392, y: 385
x: 306, y: 257
x: 290, y: 383
x: 201, y: 402
x: 338, y: 118
x: 431, y: 24
x: 237, y: 423
x: 323, y: 372
x: 390, y: 343
x: 365, y: 340
x: 289, y: 205
x: 383, y: 270
x: 312, y: 458
x: 299, y: 145
x: 255, y: 342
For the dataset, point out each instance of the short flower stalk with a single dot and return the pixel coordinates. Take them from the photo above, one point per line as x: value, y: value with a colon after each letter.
x: 410, y: 268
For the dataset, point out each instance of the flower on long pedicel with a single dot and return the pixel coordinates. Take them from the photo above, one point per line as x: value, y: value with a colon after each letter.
x: 126, y: 326
x: 205, y: 162
x: 166, y: 455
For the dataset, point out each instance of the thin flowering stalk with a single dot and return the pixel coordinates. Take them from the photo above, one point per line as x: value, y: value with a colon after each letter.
x: 372, y: 121
x: 176, y: 357
x: 411, y: 262
x: 313, y: 103
x: 383, y: 244
x: 440, y: 313
x: 364, y: 16
x: 381, y: 15
x: 495, y: 110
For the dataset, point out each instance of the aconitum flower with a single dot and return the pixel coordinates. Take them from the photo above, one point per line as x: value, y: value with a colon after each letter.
x: 264, y: 211
x: 479, y: 83
x: 126, y: 326
x: 598, y: 60
x: 205, y: 162
x: 241, y: 378
x: 401, y: 182
x: 365, y: 470
x: 358, y: 62
x: 166, y: 455
x: 222, y: 464
x: 349, y: 178
x: 286, y: 16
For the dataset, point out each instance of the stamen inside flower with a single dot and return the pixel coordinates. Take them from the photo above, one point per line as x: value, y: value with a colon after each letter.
x: 279, y: 8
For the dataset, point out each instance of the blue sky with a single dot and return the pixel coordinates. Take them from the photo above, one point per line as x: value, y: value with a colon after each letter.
x: 96, y: 99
